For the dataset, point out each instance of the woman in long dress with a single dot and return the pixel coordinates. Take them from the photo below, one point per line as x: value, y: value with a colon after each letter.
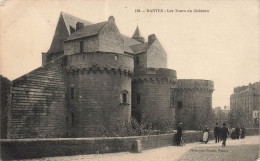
x: 205, y: 134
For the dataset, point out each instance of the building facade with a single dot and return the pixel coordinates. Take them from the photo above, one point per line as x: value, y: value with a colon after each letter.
x: 222, y: 114
x: 245, y: 104
x: 93, y: 76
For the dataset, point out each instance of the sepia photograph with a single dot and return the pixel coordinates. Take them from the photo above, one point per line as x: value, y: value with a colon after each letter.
x: 125, y: 80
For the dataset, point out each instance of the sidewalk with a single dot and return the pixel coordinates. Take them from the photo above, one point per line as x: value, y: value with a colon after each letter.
x: 170, y: 153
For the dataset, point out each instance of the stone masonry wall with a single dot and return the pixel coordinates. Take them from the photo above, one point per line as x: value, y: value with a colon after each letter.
x: 193, y: 103
x: 98, y: 102
x: 154, y: 89
x: 37, y: 148
x: 36, y: 104
x: 4, y: 91
x: 156, y: 56
x: 99, y: 81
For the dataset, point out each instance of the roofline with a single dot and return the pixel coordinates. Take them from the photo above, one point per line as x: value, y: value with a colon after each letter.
x: 81, y: 37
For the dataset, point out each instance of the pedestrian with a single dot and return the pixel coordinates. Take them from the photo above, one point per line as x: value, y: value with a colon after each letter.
x: 237, y: 131
x: 243, y: 132
x: 224, y: 134
x: 205, y: 134
x: 217, y: 133
x: 179, y: 134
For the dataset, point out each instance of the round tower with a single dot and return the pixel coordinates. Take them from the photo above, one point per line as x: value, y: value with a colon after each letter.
x: 99, y: 92
x: 152, y: 93
x: 193, y: 102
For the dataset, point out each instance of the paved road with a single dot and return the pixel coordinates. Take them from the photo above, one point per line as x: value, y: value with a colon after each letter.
x: 238, y: 150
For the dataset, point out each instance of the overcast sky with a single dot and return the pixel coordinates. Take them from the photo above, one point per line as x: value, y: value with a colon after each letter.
x: 222, y: 45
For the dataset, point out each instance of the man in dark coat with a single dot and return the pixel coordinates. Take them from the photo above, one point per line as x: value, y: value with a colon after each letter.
x: 179, y: 134
x: 217, y: 133
x: 243, y: 132
x: 237, y: 130
x: 224, y: 134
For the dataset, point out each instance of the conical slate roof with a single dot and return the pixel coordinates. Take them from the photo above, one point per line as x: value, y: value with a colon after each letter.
x: 136, y: 33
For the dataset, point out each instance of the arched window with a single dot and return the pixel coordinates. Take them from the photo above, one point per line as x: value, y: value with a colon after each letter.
x: 81, y: 46
x: 72, y: 119
x: 124, y: 95
x: 72, y: 93
x: 138, y: 98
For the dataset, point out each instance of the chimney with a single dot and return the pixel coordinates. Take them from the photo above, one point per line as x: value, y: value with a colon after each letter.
x: 79, y: 25
x: 151, y: 39
x: 111, y: 19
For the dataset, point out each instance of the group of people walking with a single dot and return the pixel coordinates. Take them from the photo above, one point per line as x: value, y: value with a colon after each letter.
x: 220, y: 133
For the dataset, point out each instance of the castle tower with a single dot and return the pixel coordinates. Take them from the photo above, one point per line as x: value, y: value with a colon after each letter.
x: 193, y: 102
x: 152, y: 90
x: 99, y: 79
x: 153, y: 82
x: 80, y: 92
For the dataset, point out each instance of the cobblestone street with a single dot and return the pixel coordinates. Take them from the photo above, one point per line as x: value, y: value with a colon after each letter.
x: 238, y: 150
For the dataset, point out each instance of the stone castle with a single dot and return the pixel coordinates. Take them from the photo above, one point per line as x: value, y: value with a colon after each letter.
x: 92, y: 76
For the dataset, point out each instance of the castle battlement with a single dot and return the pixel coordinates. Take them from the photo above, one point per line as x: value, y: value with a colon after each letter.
x: 155, y: 74
x: 100, y: 61
x: 195, y: 83
x: 94, y: 69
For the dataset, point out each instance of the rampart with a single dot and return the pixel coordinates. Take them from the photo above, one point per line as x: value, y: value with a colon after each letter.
x: 195, y: 84
x: 101, y: 61
x: 36, y: 103
x: 37, y: 148
x: 155, y: 74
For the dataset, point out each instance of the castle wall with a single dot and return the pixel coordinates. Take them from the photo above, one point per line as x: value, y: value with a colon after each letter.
x: 193, y: 102
x: 142, y: 58
x: 99, y: 82
x: 90, y: 44
x: 4, y: 91
x: 154, y: 89
x: 156, y: 56
x: 100, y: 60
x: 110, y: 39
x: 37, y: 103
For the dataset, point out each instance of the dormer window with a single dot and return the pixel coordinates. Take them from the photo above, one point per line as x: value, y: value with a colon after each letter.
x: 81, y: 46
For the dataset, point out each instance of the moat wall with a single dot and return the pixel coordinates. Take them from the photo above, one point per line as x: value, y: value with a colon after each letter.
x: 37, y: 148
